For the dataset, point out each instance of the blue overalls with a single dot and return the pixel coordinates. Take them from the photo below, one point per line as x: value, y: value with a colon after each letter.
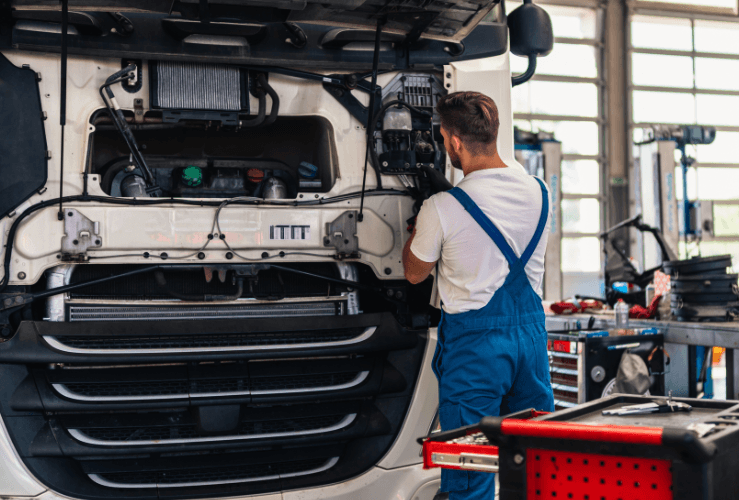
x: 493, y: 360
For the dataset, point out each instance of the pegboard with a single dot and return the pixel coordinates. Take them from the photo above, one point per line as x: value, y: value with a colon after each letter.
x: 585, y: 476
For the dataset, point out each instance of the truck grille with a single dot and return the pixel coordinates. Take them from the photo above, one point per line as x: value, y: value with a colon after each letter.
x: 205, y: 408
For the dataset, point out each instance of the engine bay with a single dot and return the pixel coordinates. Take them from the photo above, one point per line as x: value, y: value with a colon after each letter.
x: 201, y: 160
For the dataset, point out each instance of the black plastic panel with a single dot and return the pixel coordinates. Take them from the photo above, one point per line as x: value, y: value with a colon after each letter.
x: 23, y: 163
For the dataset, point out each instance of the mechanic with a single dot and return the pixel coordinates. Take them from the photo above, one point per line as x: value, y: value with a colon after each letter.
x: 486, y: 240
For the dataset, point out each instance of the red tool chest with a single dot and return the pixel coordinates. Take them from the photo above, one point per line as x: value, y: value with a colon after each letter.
x: 580, y: 453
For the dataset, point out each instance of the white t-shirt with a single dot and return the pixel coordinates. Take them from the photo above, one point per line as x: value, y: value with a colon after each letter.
x: 471, y: 267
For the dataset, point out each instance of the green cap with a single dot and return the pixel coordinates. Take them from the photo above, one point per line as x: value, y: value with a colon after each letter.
x: 192, y: 176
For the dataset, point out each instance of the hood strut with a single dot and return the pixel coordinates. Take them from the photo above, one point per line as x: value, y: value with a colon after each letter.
x: 370, y: 117
x: 63, y: 102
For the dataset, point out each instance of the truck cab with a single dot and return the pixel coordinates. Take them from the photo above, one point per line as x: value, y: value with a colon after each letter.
x: 203, y: 210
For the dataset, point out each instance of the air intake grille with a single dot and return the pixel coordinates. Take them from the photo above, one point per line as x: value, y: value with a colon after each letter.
x: 196, y: 86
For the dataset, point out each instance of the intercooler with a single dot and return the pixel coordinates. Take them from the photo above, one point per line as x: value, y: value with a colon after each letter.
x: 140, y: 299
x: 96, y: 311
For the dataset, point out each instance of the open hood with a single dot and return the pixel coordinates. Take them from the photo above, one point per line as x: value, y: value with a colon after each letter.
x: 447, y: 20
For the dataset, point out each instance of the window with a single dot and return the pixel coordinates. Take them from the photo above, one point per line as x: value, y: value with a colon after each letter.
x: 565, y: 97
x: 685, y: 70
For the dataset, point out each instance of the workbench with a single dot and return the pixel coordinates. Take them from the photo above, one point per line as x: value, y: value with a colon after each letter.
x: 678, y: 335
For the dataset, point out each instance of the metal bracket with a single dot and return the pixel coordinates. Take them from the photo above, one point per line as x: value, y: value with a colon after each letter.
x: 342, y: 234
x: 9, y: 301
x: 138, y: 111
x: 351, y: 103
x: 80, y: 234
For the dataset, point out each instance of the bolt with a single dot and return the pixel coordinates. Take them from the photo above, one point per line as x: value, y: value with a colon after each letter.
x: 164, y: 255
x: 201, y: 255
x: 448, y: 75
x: 326, y: 241
x: 316, y: 196
x: 222, y: 236
x: 146, y: 255
x: 97, y: 242
x: 8, y: 302
x: 229, y: 255
x: 70, y: 214
x: 265, y: 255
x: 389, y: 293
x: 407, y: 165
x: 418, y: 165
x: 398, y: 294
x: 75, y: 242
x: 18, y: 299
x: 21, y: 275
x: 384, y: 164
x: 518, y: 458
x: 210, y: 236
x: 388, y: 270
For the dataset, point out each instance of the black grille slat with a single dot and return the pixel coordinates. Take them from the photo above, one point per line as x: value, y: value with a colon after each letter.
x: 129, y: 388
x: 190, y: 431
x: 206, y: 341
x: 305, y: 382
x: 224, y: 473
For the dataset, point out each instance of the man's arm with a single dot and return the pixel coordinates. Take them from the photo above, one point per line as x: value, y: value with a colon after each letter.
x: 416, y: 270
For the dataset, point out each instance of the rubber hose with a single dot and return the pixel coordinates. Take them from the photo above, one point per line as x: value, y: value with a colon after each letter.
x: 275, y: 100
x: 259, y: 120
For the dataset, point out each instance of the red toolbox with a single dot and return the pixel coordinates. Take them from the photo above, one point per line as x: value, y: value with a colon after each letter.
x: 582, y: 453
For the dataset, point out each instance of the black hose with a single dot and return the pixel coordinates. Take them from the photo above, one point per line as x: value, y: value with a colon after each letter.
x: 122, y: 125
x: 275, y: 99
x: 526, y: 75
x: 259, y: 120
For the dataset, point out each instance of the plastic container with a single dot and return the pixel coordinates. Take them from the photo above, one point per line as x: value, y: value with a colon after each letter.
x: 622, y: 314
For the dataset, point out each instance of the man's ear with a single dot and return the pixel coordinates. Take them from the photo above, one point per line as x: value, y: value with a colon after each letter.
x: 457, y: 143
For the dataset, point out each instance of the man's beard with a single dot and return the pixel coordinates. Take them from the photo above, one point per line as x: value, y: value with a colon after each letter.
x: 454, y: 158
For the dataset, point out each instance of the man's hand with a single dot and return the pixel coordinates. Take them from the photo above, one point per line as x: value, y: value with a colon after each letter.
x: 416, y: 270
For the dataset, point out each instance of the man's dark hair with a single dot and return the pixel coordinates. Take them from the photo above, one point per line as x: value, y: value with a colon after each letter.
x: 473, y: 117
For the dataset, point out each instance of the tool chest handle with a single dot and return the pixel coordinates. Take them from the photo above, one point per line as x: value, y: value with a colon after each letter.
x: 683, y: 440
x: 472, y: 429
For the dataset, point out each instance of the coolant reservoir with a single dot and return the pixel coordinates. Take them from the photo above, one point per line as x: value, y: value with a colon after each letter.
x: 397, y: 120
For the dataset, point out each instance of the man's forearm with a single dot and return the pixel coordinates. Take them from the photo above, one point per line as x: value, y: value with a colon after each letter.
x: 407, y: 249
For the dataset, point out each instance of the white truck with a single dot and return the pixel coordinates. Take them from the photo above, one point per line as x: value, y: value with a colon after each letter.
x: 202, y: 288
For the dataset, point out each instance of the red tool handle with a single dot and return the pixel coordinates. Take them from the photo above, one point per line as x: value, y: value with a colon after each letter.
x: 564, y: 430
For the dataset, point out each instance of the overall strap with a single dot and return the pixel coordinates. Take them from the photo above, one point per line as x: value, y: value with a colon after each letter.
x: 486, y: 224
x: 542, y: 222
